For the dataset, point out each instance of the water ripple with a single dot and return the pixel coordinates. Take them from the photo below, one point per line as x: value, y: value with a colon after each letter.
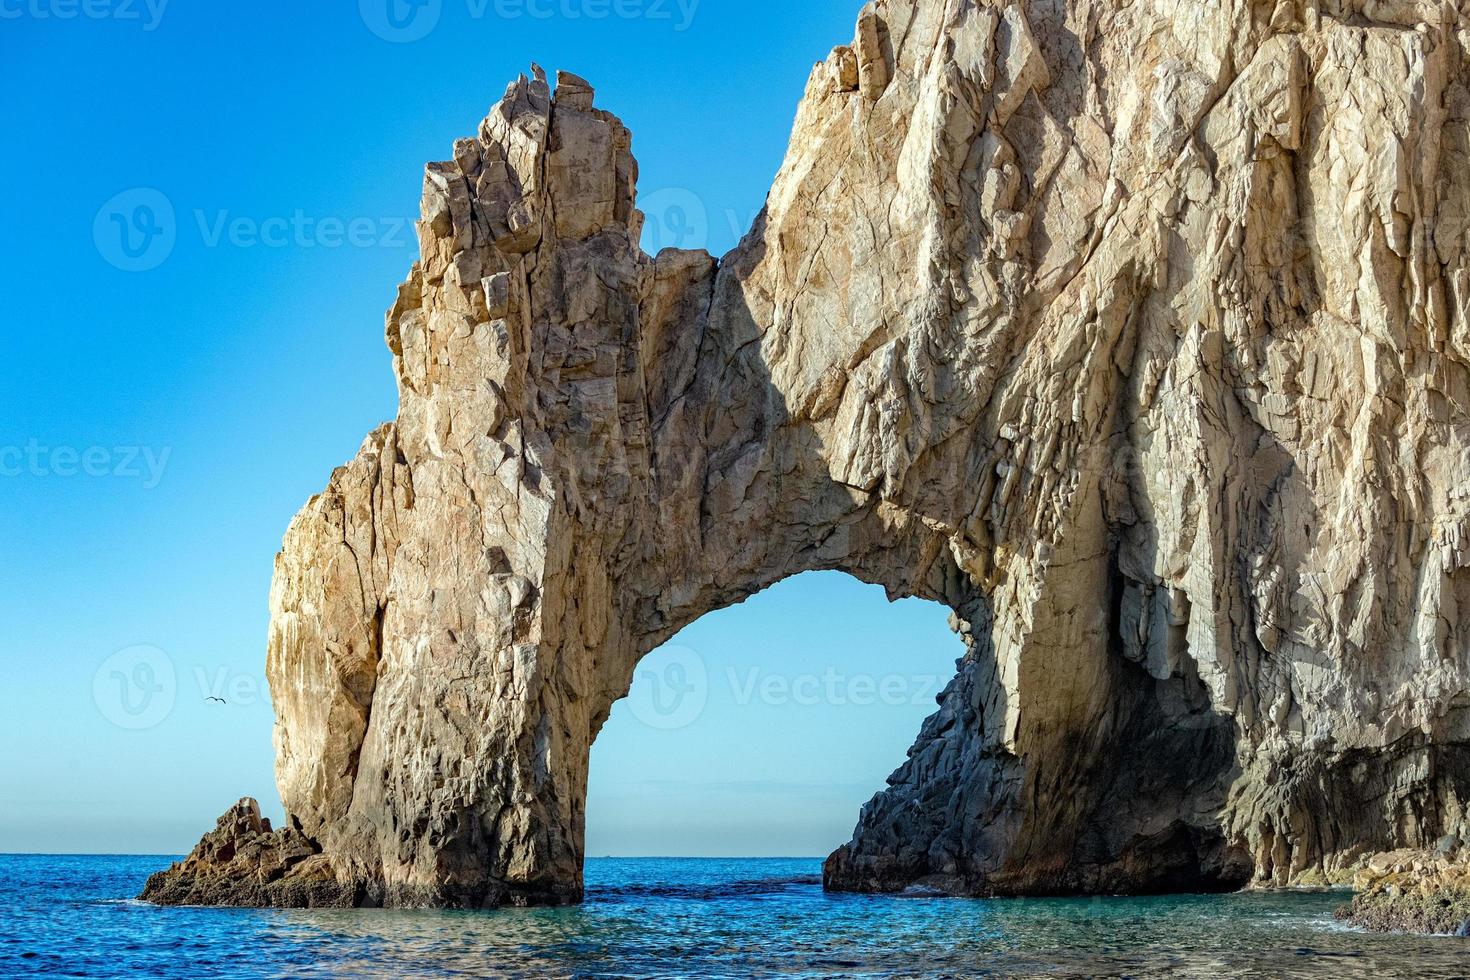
x: 75, y: 916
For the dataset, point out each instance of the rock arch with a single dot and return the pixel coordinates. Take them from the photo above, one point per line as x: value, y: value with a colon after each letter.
x: 1106, y: 333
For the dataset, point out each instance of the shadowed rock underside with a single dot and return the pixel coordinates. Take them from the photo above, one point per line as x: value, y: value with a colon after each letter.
x: 1136, y: 333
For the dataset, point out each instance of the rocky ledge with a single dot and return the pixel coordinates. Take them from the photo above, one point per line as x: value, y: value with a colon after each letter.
x: 244, y: 862
x: 1414, y: 891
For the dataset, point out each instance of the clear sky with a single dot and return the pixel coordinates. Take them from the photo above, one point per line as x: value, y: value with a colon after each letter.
x: 172, y: 397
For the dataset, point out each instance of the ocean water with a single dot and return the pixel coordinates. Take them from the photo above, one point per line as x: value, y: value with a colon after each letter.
x: 75, y: 917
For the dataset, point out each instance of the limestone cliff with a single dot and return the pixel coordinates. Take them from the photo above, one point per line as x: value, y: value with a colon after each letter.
x: 1136, y: 332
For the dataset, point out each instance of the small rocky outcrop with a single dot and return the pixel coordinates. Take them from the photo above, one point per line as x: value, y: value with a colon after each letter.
x: 1414, y: 891
x: 244, y: 862
x: 1138, y: 334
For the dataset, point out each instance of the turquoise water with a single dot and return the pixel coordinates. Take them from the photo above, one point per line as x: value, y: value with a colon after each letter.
x: 74, y: 916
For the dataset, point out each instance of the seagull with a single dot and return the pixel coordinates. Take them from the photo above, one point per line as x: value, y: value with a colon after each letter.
x: 220, y: 700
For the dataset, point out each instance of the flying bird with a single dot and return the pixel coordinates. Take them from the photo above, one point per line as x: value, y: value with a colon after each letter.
x: 220, y: 700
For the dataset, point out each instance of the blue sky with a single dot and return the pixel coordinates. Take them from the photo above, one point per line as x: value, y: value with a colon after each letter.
x: 159, y: 427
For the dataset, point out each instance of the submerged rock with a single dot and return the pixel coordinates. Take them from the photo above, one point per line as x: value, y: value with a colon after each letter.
x: 1138, y: 334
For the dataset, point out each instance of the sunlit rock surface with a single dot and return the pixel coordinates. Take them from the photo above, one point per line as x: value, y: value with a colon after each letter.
x: 1137, y: 333
x: 1414, y: 891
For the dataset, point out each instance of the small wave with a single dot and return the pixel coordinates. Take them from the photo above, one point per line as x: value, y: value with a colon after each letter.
x: 701, y: 892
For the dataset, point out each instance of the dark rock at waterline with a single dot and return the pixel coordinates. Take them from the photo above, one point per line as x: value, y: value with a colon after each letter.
x: 246, y: 863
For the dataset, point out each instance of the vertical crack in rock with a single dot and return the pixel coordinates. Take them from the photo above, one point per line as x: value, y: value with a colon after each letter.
x: 1138, y: 334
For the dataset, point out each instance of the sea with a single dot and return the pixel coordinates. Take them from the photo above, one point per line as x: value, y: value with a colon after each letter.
x: 77, y: 916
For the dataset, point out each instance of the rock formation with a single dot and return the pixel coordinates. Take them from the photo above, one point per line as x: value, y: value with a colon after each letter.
x: 244, y: 862
x: 1414, y: 891
x: 1138, y: 333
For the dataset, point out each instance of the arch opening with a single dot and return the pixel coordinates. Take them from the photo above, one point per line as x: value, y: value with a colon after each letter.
x: 762, y: 728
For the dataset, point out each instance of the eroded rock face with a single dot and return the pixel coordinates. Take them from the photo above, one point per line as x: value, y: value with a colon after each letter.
x: 1138, y: 334
x: 1414, y: 891
x: 243, y: 862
